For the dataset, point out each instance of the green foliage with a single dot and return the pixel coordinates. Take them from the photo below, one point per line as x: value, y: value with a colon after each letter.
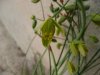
x: 62, y: 19
x: 74, y: 7
x: 82, y: 49
x: 70, y: 67
x: 73, y: 48
x: 34, y: 21
x: 48, y: 30
x: 74, y: 32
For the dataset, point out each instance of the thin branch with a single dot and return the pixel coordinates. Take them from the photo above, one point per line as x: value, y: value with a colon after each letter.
x: 96, y: 72
x: 60, y: 9
x: 54, y: 60
x: 92, y: 58
x: 59, y: 38
x: 63, y: 45
x: 42, y: 10
x: 50, y: 62
x: 39, y: 61
x: 27, y: 52
x: 92, y: 67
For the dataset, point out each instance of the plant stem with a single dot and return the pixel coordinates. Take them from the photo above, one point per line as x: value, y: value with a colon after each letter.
x: 64, y: 45
x: 92, y: 58
x: 60, y: 9
x: 92, y: 67
x: 39, y: 61
x: 50, y: 62
x: 54, y: 60
x: 42, y: 10
x: 78, y: 64
x: 27, y: 53
x: 81, y: 18
x: 94, y: 61
x: 67, y: 55
x: 61, y: 6
x: 97, y: 71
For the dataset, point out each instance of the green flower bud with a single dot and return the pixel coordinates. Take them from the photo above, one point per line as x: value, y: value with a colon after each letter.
x: 73, y: 48
x: 51, y: 8
x: 82, y: 49
x: 33, y: 17
x: 70, y: 67
x: 95, y: 18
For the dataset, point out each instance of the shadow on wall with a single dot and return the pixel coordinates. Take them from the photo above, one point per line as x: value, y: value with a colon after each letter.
x: 11, y: 56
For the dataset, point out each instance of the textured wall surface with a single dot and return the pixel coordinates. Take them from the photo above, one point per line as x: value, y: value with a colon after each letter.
x: 11, y: 56
x: 16, y: 31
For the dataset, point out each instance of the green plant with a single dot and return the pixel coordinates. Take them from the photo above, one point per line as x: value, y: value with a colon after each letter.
x: 71, y: 21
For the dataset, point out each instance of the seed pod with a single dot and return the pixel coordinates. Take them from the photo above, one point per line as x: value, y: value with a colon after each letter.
x: 54, y: 40
x: 33, y: 17
x: 82, y: 49
x: 62, y: 19
x: 51, y: 8
x: 35, y: 1
x: 70, y: 67
x: 73, y: 49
